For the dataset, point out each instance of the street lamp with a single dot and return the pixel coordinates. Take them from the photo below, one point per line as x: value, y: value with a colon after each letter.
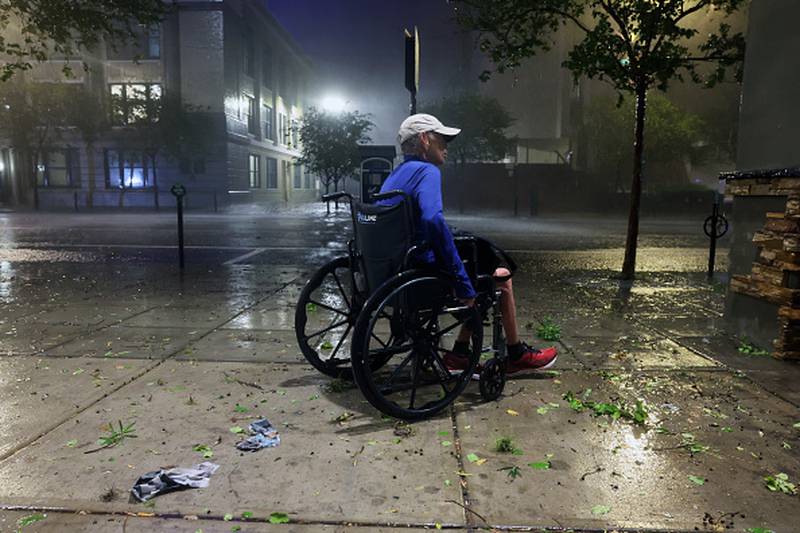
x: 334, y: 103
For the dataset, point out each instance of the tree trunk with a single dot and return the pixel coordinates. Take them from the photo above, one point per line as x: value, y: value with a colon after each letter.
x: 327, y: 202
x: 629, y: 264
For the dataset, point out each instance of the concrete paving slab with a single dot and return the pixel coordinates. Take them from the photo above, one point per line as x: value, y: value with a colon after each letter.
x: 25, y: 339
x: 269, y: 315
x: 634, y: 352
x: 258, y: 346
x: 355, y: 468
x: 63, y: 522
x: 128, y: 343
x: 639, y: 476
x: 182, y: 317
x: 89, y: 316
x: 685, y: 326
x: 37, y: 393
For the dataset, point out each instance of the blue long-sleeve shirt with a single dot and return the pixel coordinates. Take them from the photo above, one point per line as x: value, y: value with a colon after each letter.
x: 422, y: 181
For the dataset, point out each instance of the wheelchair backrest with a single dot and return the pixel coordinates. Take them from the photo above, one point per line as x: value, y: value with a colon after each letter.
x: 383, y: 236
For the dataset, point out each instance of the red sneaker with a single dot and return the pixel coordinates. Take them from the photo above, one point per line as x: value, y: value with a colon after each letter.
x: 458, y: 361
x: 532, y: 359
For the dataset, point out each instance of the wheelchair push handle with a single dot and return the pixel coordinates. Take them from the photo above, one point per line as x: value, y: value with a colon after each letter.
x: 335, y: 196
x: 389, y: 194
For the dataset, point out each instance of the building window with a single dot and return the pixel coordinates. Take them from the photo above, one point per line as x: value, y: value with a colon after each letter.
x: 308, y: 183
x: 272, y: 173
x: 58, y: 168
x: 295, y: 132
x: 145, y: 45
x: 268, y: 113
x: 129, y: 169
x: 266, y: 67
x: 298, y: 177
x: 250, y: 114
x: 134, y: 102
x: 283, y: 127
x: 254, y: 170
x: 248, y: 54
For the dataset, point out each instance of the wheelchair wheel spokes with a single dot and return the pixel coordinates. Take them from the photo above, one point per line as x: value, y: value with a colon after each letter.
x: 324, y: 318
x: 413, y: 382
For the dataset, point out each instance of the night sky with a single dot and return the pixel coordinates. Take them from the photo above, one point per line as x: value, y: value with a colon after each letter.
x: 357, y: 50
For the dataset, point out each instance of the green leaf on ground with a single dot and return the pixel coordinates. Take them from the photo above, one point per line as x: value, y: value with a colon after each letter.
x: 447, y: 443
x: 600, y: 510
x: 278, y: 518
x: 326, y: 345
x: 72, y: 443
x: 236, y: 429
x: 205, y: 449
x: 780, y: 483
x: 31, y: 519
x: 447, y: 483
x: 697, y: 480
x: 796, y: 425
x: 548, y: 330
x: 471, y: 457
x: 117, y: 435
x: 240, y: 408
x: 727, y: 429
x: 444, y: 433
x: 506, y: 445
x: 541, y: 465
x: 247, y: 514
x: 748, y: 348
x: 228, y: 517
x: 311, y: 307
x: 758, y: 530
x: 786, y: 445
x: 512, y: 471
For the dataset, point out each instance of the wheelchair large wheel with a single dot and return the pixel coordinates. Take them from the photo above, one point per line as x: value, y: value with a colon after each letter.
x: 325, y: 316
x: 407, y: 325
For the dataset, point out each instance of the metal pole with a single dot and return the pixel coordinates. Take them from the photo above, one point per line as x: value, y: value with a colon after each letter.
x: 712, y: 249
x: 180, y: 232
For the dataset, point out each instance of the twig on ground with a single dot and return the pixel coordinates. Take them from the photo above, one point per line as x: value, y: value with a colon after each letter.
x: 471, y: 511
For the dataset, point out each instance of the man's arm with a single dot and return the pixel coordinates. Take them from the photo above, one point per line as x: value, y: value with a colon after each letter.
x: 429, y: 199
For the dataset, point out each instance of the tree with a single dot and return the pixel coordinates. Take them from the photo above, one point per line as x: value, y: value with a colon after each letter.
x: 483, y: 122
x: 329, y: 144
x: 34, y: 116
x: 90, y: 118
x: 674, y: 135
x: 633, y: 44
x: 39, y: 29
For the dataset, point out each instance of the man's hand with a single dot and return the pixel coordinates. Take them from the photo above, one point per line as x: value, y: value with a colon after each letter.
x: 469, y: 302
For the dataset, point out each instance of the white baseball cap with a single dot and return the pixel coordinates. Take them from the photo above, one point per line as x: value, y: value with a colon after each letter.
x: 421, y: 123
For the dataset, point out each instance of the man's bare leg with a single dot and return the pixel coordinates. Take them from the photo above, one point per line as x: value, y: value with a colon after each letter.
x: 508, y: 308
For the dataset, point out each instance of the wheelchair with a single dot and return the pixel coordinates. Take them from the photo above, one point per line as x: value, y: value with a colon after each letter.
x: 381, y: 317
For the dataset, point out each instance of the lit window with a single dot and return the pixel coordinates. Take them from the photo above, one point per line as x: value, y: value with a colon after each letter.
x: 268, y: 134
x: 254, y: 169
x: 134, y: 102
x: 58, y: 168
x: 128, y: 169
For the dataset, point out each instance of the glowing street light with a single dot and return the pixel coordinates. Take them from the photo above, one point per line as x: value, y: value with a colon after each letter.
x: 333, y: 103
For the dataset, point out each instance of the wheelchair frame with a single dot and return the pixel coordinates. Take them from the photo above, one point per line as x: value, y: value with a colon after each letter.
x: 364, y: 307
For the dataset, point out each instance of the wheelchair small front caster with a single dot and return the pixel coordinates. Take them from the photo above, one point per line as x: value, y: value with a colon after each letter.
x: 493, y: 380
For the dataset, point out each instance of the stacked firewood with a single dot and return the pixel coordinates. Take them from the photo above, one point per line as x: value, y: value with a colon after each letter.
x: 775, y: 275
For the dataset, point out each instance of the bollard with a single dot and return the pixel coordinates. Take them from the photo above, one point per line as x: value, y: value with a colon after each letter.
x: 179, y: 191
x: 715, y: 226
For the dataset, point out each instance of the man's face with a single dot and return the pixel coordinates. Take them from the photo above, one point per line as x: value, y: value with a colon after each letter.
x: 434, y: 148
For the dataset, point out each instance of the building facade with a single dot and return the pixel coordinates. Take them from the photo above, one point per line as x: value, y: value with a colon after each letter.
x: 228, y: 60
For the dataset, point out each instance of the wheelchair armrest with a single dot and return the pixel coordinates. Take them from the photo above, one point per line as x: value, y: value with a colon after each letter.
x: 416, y: 249
x: 389, y: 194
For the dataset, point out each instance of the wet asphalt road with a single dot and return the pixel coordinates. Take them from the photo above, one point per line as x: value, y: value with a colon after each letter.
x: 305, y: 234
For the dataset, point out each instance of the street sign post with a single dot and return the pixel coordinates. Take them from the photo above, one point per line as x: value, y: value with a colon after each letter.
x: 179, y: 191
x: 412, y: 67
x: 715, y: 226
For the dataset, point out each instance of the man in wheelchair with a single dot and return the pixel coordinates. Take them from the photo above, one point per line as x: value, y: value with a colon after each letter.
x: 423, y: 141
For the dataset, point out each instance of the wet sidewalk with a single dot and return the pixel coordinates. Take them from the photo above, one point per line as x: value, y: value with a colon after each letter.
x: 188, y: 362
